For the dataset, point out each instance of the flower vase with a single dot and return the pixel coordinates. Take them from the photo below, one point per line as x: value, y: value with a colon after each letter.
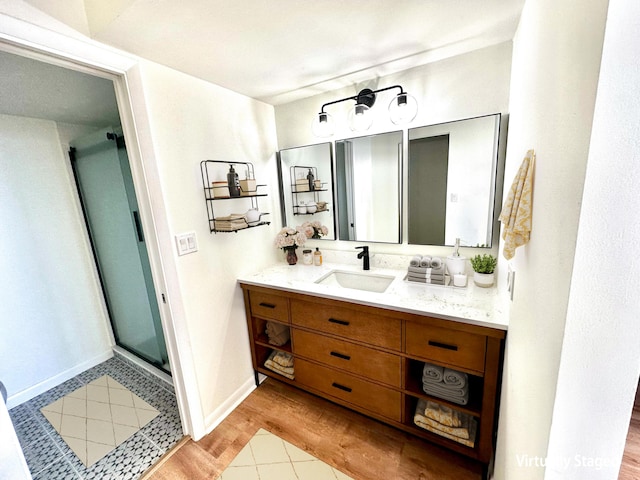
x: 292, y: 258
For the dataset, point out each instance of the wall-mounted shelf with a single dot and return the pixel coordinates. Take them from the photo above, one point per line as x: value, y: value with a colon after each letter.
x: 215, y: 171
x: 302, y: 191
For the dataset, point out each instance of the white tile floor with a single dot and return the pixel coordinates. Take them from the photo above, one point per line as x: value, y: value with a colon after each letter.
x: 268, y: 457
x: 97, y: 417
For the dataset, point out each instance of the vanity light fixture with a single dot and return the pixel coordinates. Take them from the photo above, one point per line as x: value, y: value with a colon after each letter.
x: 402, y: 109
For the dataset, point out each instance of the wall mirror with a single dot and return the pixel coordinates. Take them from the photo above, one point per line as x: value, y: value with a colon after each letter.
x: 306, y: 186
x: 452, y: 169
x: 368, y: 188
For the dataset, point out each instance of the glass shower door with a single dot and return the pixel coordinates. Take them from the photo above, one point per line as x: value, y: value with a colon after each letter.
x: 111, y: 212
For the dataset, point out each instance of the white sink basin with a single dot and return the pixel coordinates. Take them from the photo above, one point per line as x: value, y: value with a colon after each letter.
x: 370, y: 282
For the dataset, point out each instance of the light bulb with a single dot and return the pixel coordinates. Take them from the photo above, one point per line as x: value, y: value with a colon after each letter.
x: 322, y: 125
x: 360, y: 118
x: 403, y: 108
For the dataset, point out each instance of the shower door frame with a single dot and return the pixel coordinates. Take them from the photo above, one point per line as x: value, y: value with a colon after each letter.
x: 127, y: 184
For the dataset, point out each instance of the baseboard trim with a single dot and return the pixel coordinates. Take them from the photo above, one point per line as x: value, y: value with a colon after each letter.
x: 223, y: 411
x: 32, y: 392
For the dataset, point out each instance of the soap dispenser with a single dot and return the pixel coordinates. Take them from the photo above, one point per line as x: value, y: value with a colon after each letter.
x: 317, y: 257
x: 233, y: 182
x: 456, y: 263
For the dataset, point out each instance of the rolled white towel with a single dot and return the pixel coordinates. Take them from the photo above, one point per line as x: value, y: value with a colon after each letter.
x: 415, y: 261
x: 436, y: 262
x: 425, y: 261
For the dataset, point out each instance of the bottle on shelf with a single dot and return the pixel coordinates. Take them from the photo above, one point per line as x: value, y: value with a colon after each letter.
x: 311, y: 179
x: 234, y: 182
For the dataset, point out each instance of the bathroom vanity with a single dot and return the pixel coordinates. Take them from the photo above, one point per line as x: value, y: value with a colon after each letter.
x: 366, y: 350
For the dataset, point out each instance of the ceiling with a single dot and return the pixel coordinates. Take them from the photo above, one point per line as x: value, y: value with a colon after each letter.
x: 30, y: 88
x: 276, y: 51
x: 279, y: 51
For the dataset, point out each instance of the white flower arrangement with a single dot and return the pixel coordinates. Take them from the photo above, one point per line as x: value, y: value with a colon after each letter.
x: 290, y: 238
x: 314, y: 229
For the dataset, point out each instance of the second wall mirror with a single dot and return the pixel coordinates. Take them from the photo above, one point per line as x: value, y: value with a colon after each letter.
x: 306, y: 186
x: 369, y: 188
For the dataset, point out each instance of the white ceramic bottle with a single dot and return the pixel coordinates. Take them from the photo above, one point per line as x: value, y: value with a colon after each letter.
x: 456, y: 263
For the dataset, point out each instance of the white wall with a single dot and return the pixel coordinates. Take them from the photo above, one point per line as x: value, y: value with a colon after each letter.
x: 600, y: 360
x: 52, y: 317
x: 556, y: 59
x: 464, y: 86
x: 179, y: 121
x: 191, y: 120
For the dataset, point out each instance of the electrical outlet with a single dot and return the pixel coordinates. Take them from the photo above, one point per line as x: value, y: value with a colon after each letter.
x: 186, y: 243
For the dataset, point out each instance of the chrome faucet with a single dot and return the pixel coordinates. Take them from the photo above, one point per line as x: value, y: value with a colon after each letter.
x: 364, y: 254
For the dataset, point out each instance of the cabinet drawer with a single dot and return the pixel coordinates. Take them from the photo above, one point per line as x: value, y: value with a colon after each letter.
x: 267, y: 305
x: 381, y: 366
x: 444, y: 345
x: 375, y: 398
x: 348, y: 323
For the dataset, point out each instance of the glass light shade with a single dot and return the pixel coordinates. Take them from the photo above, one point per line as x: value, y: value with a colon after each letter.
x: 403, y: 108
x: 360, y: 118
x: 323, y: 125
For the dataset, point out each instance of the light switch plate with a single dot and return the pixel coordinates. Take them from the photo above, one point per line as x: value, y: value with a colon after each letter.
x: 186, y: 243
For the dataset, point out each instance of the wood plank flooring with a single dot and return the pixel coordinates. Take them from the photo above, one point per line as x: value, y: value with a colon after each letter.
x: 362, y: 448
x: 630, y: 469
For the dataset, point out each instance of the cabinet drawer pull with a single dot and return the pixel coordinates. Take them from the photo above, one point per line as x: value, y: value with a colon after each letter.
x: 341, y: 387
x: 339, y: 322
x: 446, y: 346
x: 267, y: 305
x: 340, y: 355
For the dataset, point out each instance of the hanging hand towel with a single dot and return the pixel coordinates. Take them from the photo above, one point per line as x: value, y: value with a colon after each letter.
x: 516, y: 212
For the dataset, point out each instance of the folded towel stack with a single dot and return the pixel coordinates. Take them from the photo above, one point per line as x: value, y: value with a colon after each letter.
x: 426, y: 269
x: 280, y: 362
x: 445, y: 383
x: 278, y: 334
x: 233, y: 222
x: 457, y: 426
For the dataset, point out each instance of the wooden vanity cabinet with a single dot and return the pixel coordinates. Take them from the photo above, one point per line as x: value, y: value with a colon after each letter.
x: 371, y: 359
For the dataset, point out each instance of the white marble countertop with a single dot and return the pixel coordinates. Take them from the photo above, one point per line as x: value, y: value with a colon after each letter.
x: 470, y: 304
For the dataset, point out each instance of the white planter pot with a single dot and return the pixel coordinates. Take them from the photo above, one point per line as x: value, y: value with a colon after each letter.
x: 483, y: 280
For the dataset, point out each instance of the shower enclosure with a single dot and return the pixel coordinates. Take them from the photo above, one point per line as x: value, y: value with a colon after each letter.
x: 105, y: 185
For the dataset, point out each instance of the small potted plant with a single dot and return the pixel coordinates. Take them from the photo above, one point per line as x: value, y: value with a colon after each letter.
x: 483, y: 268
